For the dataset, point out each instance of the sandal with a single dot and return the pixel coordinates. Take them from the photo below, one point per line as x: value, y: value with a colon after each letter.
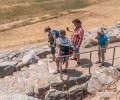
x: 72, y: 58
x: 97, y: 62
x: 64, y: 71
x: 56, y: 72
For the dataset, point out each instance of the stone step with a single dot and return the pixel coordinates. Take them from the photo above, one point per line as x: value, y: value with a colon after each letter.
x: 31, y: 81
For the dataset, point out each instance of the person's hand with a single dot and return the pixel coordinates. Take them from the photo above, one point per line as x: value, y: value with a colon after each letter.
x: 67, y: 29
x: 53, y: 45
x: 77, y: 47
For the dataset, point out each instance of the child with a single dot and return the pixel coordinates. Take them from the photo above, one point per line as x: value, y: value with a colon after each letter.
x: 102, y: 44
x: 62, y: 44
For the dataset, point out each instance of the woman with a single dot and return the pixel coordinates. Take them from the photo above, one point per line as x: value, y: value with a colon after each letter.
x: 76, y: 38
x: 62, y: 42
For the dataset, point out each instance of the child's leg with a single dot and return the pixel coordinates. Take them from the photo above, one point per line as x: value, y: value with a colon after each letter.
x: 66, y: 64
x: 57, y: 64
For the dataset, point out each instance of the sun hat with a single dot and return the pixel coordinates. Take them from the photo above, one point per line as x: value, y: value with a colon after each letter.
x: 76, y: 21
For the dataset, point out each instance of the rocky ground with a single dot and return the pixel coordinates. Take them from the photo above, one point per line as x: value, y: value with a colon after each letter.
x: 28, y: 74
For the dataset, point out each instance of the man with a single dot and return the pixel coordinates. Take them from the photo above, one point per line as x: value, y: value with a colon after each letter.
x: 52, y: 35
x: 76, y: 38
x: 102, y: 44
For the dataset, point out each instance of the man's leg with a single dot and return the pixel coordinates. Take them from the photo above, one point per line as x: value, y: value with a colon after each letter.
x: 53, y: 53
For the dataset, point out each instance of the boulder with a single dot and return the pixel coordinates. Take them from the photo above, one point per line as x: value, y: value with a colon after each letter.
x: 114, y: 35
x: 21, y: 54
x: 7, y: 68
x: 102, y: 77
x: 105, y: 95
x: 19, y: 66
x: 2, y: 60
x: 89, y: 43
x: 118, y: 24
x: 5, y: 54
x: 78, y: 92
x: 17, y: 97
x: 118, y: 86
x: 93, y: 85
x: 55, y: 95
x: 11, y: 55
x: 30, y: 58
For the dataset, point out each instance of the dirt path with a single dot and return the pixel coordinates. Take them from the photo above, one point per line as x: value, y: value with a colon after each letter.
x: 103, y: 14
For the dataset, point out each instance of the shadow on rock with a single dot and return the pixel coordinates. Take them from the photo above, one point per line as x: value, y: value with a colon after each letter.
x: 85, y: 63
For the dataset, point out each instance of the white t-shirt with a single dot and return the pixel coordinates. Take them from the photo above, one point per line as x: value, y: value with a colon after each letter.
x: 64, y: 41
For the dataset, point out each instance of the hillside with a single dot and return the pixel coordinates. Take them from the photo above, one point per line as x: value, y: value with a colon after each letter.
x: 97, y: 15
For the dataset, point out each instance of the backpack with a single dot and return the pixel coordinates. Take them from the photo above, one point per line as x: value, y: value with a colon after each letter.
x: 66, y: 50
x: 57, y: 33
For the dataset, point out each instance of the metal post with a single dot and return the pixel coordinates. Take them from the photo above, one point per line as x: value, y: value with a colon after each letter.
x: 90, y: 61
x: 113, y: 57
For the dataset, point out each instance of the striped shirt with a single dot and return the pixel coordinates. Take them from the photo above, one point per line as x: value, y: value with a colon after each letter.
x: 76, y: 36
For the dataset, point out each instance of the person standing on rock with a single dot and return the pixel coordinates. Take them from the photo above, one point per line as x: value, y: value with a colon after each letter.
x: 102, y: 45
x: 64, y: 47
x: 52, y: 36
x: 76, y: 38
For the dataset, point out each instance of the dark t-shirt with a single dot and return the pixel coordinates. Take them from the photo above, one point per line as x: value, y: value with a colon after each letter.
x: 50, y: 37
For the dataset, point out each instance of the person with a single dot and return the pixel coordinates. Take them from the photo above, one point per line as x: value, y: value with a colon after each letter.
x: 76, y: 38
x: 102, y: 44
x: 62, y: 43
x: 52, y: 36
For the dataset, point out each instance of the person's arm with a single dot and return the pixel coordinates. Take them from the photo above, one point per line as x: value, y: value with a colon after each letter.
x: 96, y: 37
x: 54, y: 37
x: 106, y: 44
x: 69, y: 29
x: 58, y: 46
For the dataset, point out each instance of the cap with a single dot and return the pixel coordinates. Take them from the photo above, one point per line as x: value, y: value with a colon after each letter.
x: 100, y: 30
x: 46, y: 29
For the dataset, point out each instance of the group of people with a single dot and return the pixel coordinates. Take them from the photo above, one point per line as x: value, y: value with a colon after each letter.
x: 64, y: 45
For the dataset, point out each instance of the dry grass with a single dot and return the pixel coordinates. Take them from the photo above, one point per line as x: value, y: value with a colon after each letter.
x: 14, y: 10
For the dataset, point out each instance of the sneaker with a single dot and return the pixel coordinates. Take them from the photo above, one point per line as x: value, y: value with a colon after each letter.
x: 78, y: 63
x: 56, y: 72
x: 102, y: 64
x: 97, y: 62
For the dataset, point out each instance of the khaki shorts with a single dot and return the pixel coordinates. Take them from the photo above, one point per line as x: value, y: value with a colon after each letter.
x: 101, y: 52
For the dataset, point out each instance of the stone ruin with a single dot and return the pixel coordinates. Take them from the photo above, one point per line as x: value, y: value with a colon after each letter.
x: 24, y: 76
